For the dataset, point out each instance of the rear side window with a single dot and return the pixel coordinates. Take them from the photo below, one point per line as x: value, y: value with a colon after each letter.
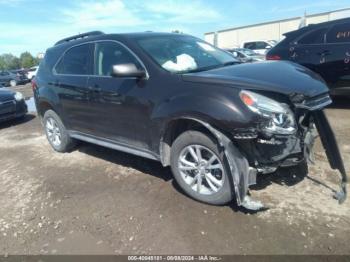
x: 339, y: 34
x: 313, y: 37
x: 108, y: 54
x: 76, y: 61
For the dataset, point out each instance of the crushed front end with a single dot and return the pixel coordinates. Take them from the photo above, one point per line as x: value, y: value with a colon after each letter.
x: 285, y: 137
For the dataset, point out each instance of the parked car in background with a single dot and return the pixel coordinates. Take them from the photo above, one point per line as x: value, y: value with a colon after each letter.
x: 8, y: 78
x: 323, y: 48
x: 245, y: 55
x: 12, y: 105
x: 260, y: 47
x: 181, y: 101
x: 22, y: 75
x: 32, y: 72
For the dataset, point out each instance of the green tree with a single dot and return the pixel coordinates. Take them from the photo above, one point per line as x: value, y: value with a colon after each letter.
x: 2, y: 63
x: 27, y: 60
x: 9, y: 61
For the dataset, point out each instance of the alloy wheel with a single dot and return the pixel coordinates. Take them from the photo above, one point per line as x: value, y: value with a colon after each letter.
x: 201, y: 169
x: 53, y: 131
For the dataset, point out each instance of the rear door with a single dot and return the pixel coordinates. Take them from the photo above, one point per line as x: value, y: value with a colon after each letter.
x: 337, y: 58
x: 71, y: 75
x: 310, y: 51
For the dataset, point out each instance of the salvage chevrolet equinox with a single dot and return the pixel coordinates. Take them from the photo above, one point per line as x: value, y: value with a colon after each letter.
x: 181, y: 101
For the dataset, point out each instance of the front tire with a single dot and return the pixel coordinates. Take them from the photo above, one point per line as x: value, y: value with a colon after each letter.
x: 199, y: 167
x: 56, y: 132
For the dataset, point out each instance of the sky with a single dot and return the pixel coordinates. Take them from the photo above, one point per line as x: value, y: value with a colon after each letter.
x: 36, y: 25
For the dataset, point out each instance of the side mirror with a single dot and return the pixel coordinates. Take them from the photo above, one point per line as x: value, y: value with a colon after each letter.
x: 128, y: 70
x: 268, y: 47
x: 235, y: 54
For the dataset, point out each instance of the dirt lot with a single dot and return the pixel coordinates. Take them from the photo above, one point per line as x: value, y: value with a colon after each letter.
x: 95, y: 200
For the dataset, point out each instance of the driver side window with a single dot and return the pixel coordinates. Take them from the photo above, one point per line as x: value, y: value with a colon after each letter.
x: 108, y: 54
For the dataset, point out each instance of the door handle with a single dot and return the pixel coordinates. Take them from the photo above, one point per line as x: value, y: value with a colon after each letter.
x: 325, y: 52
x: 94, y: 88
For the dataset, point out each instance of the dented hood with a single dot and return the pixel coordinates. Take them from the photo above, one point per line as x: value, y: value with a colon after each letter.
x: 276, y: 76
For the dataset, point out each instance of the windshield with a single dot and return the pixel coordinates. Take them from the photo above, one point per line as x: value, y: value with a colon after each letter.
x: 183, y: 54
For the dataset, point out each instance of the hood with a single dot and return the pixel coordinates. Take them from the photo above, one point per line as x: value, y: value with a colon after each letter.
x: 6, y: 95
x: 275, y: 76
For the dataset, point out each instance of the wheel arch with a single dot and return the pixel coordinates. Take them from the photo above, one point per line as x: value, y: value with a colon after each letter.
x: 241, y: 174
x: 176, y: 127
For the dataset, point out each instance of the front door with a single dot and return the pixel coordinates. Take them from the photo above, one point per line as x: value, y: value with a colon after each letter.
x: 120, y: 105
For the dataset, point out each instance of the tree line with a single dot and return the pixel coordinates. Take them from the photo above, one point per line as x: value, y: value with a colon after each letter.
x: 10, y: 61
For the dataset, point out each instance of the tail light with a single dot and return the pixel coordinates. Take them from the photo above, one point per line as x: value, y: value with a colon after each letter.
x: 34, y: 85
x: 273, y: 57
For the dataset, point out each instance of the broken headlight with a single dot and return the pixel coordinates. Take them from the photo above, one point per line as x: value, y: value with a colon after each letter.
x: 280, y: 118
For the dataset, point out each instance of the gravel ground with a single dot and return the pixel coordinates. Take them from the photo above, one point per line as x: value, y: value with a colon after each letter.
x: 99, y: 201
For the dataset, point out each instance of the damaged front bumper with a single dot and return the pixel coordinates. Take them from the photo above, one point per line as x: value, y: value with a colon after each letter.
x: 254, y: 153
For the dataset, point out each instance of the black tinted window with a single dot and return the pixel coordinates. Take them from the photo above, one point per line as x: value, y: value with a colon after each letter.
x: 76, y: 61
x: 255, y: 45
x: 250, y: 45
x: 339, y: 34
x: 108, y: 54
x: 313, y: 37
x: 260, y: 45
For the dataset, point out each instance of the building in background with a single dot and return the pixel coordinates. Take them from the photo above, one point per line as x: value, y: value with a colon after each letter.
x: 233, y: 37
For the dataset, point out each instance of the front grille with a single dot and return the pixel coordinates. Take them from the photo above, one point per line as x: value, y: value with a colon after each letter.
x: 315, y: 103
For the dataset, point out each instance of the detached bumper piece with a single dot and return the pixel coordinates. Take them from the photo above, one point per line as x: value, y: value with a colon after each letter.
x: 242, y: 175
x: 332, y: 151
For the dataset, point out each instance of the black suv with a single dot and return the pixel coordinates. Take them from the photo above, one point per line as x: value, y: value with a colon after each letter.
x: 178, y: 100
x: 323, y: 48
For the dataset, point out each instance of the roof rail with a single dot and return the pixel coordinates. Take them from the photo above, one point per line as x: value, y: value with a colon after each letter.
x: 80, y: 36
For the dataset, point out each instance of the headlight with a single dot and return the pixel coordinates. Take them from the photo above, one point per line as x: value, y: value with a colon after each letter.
x: 18, y: 96
x: 280, y: 118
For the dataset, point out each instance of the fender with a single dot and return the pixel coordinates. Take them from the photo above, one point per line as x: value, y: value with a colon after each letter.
x: 48, y: 96
x: 242, y: 176
x: 222, y: 112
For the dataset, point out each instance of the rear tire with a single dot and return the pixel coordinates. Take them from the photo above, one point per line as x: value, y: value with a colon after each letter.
x: 202, y: 176
x: 56, y: 133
